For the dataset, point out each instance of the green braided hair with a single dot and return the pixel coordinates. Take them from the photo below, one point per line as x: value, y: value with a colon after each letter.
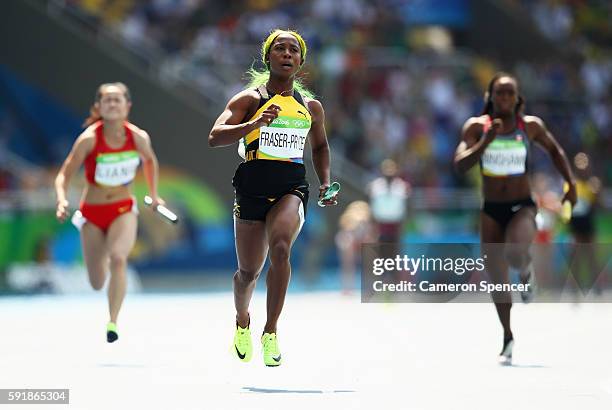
x: 257, y: 77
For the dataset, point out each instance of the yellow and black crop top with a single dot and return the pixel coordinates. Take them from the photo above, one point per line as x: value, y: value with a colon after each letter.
x: 274, y: 154
x: 285, y: 137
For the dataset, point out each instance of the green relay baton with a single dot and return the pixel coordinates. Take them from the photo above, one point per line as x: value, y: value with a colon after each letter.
x: 330, y: 193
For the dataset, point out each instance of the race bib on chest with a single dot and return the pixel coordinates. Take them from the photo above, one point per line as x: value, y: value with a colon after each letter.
x: 117, y: 168
x: 284, y: 139
x: 504, y: 158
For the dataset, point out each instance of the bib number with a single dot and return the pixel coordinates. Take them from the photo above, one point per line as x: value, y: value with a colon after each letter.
x: 282, y: 143
x: 116, y: 169
x: 503, y: 159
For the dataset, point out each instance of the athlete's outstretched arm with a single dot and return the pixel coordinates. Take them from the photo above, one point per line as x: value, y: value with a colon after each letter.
x: 228, y: 129
x: 546, y: 140
x: 150, y: 165
x: 319, y: 145
x: 82, y: 146
x: 471, y: 147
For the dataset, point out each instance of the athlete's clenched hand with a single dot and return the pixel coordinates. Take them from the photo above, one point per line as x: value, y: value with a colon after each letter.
x: 267, y: 116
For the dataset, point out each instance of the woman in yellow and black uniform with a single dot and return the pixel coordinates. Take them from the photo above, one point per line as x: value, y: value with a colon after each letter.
x: 273, y: 164
x: 582, y: 224
x: 499, y: 140
x: 271, y: 121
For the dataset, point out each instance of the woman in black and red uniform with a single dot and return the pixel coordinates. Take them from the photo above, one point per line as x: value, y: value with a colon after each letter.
x: 111, y: 149
x: 500, y: 140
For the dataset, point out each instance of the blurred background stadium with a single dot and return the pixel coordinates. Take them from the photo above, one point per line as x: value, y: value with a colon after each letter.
x: 397, y: 80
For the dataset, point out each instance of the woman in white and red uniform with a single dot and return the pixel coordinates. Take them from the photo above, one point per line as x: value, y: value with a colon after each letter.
x: 111, y: 149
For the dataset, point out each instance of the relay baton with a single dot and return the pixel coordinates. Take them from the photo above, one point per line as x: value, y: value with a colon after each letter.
x: 330, y: 193
x: 162, y: 210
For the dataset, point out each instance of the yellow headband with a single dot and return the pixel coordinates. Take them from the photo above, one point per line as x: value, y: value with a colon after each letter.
x: 265, y: 46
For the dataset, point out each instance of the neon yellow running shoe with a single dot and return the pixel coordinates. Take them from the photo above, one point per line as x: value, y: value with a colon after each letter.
x: 271, y: 352
x: 243, y: 347
x: 111, y: 332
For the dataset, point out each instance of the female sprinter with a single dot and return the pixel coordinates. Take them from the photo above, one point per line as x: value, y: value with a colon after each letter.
x: 500, y: 140
x: 582, y: 224
x: 272, y: 119
x: 111, y: 149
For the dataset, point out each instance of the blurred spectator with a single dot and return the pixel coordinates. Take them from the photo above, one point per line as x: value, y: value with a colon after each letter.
x: 6, y: 178
x: 388, y: 197
x: 355, y: 229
